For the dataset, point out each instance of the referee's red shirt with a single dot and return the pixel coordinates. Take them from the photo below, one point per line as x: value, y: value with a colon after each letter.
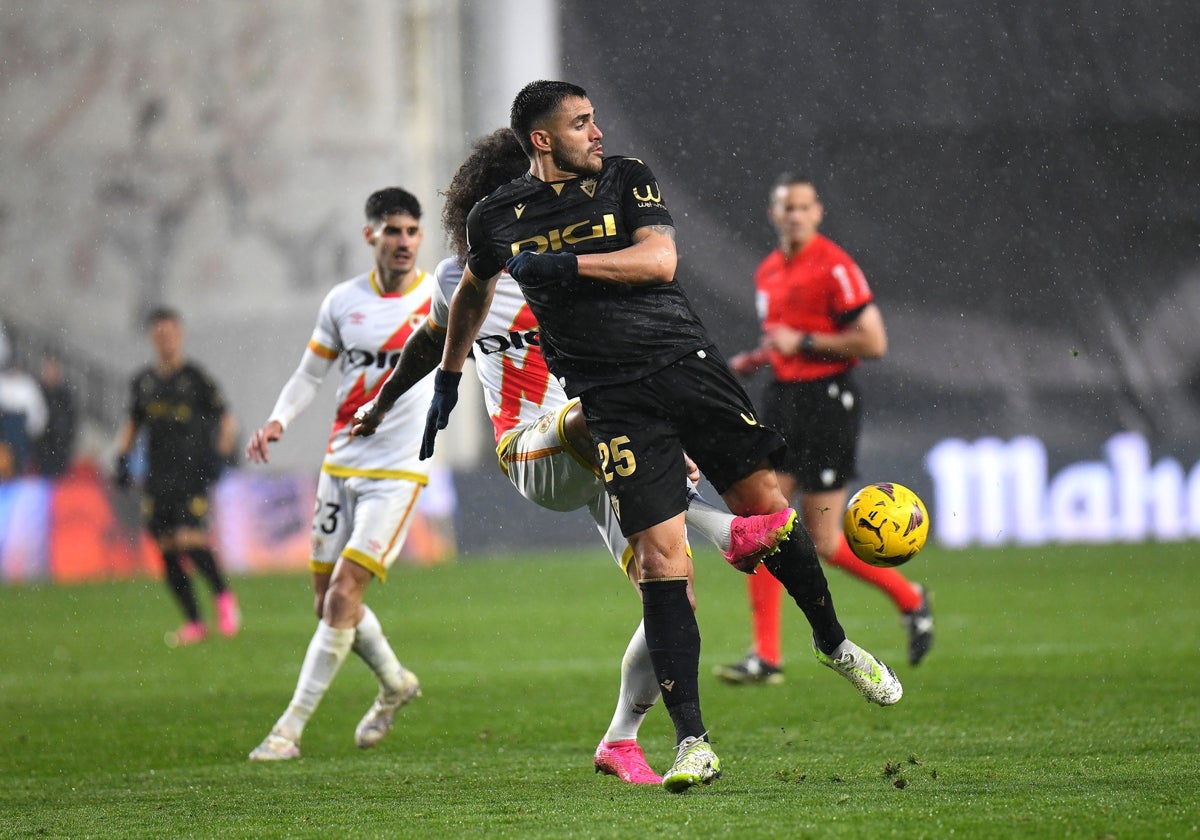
x: 811, y: 292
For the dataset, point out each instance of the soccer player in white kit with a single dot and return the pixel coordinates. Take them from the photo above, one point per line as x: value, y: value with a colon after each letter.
x: 542, y: 442
x: 367, y: 491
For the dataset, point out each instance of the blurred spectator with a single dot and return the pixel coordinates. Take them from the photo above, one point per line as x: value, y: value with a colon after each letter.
x: 53, y: 451
x: 22, y: 414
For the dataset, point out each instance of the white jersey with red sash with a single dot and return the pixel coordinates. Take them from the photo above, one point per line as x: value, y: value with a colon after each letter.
x: 365, y: 329
x: 517, y: 386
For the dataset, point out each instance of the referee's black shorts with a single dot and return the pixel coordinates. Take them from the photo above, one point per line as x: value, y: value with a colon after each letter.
x: 820, y: 420
x: 641, y: 430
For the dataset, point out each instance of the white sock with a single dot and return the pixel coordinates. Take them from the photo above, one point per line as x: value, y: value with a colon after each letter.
x: 372, y: 647
x: 639, y: 690
x: 712, y: 522
x: 326, y: 653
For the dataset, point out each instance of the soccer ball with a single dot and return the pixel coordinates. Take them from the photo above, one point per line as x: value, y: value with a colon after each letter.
x: 885, y: 524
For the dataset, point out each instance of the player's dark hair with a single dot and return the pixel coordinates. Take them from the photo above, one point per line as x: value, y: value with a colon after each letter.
x: 391, y: 201
x: 795, y: 179
x: 535, y: 102
x: 162, y: 313
x: 495, y: 159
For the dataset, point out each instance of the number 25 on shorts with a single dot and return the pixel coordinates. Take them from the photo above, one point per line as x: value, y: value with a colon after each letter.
x: 615, y: 456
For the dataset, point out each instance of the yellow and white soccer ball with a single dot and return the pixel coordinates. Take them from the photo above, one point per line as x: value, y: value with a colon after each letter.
x: 886, y: 524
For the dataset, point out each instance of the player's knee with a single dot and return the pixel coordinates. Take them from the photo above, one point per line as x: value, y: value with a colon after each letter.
x: 757, y: 493
x: 342, y: 600
x: 654, y: 563
x: 651, y: 562
x: 661, y: 550
x: 577, y: 434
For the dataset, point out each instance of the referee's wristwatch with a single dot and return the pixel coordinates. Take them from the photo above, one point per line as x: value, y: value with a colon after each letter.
x: 807, y: 344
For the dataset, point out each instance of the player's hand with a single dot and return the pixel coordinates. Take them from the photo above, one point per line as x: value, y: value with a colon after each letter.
x: 784, y: 339
x: 258, y: 449
x: 367, y: 419
x: 121, y: 475
x: 554, y: 267
x: 745, y: 364
x: 445, y: 397
x: 693, y: 471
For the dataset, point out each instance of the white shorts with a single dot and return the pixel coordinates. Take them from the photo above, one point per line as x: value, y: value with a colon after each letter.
x: 364, y: 520
x: 547, y: 470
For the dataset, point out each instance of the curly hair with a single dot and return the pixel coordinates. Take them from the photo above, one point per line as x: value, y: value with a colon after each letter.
x: 495, y: 160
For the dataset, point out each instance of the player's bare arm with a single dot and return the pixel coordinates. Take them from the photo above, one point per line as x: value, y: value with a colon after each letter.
x: 125, y: 437
x: 227, y: 435
x: 419, y: 356
x: 651, y: 259
x: 297, y: 393
x: 468, y: 308
x: 863, y: 338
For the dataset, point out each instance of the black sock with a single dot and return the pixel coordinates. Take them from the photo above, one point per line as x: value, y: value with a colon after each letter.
x: 673, y: 639
x: 799, y: 570
x: 206, y: 564
x: 180, y: 585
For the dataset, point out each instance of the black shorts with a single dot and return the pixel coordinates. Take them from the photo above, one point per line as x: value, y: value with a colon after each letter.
x: 820, y: 420
x: 641, y: 430
x: 168, y: 512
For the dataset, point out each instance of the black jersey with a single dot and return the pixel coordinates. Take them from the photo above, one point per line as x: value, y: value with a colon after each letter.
x: 592, y: 332
x: 180, y: 414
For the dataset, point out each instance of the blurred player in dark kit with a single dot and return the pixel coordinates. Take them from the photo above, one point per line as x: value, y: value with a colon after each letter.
x: 189, y: 434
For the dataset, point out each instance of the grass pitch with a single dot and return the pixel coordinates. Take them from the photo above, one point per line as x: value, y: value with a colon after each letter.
x: 1060, y: 700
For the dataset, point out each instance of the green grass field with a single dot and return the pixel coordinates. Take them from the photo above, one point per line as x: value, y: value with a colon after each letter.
x: 1060, y: 701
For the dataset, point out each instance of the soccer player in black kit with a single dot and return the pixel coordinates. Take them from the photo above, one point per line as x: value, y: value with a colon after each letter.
x: 188, y: 431
x: 592, y: 245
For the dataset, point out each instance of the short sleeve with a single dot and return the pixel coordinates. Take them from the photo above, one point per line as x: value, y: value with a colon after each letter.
x: 446, y: 279
x: 481, y: 257
x: 212, y: 400
x: 326, y: 340
x: 850, y: 290
x: 641, y: 197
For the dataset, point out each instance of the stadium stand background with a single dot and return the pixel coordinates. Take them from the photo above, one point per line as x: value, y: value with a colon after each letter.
x: 1019, y: 188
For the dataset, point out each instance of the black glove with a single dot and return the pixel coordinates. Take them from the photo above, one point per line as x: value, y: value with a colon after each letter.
x: 556, y: 267
x: 445, y: 397
x: 121, y: 476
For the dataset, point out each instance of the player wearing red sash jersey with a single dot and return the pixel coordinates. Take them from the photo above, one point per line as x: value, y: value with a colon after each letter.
x: 366, y: 493
x: 819, y: 320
